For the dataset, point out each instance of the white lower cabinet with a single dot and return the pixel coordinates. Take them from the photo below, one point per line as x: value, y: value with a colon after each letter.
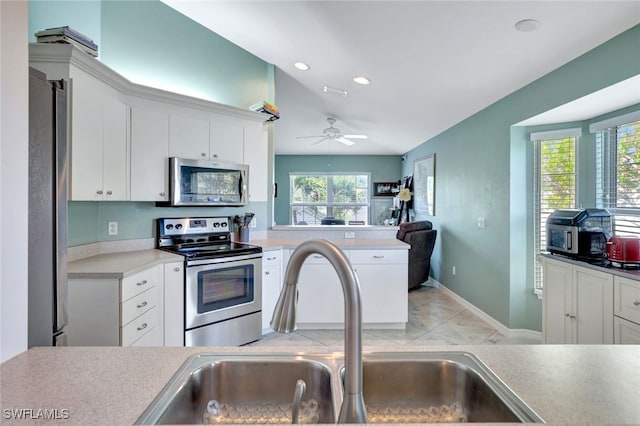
x: 382, y: 275
x: 577, y: 304
x: 117, y: 312
x: 627, y: 311
x: 271, y: 285
x: 174, y: 304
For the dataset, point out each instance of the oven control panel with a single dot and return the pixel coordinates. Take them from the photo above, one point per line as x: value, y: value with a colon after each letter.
x: 193, y: 225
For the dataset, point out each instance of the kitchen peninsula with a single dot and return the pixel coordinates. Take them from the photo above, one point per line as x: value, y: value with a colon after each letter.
x: 113, y: 385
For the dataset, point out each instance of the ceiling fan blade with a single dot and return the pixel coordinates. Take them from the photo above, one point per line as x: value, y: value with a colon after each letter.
x: 344, y: 141
x: 356, y: 136
x: 308, y: 137
x: 321, y: 140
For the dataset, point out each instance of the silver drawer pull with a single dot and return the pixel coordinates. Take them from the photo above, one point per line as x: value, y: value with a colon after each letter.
x: 143, y: 282
x: 636, y: 303
x: 378, y: 256
x: 109, y: 192
x: 99, y: 192
x: 142, y: 327
x: 266, y: 272
x: 271, y: 258
x: 142, y: 305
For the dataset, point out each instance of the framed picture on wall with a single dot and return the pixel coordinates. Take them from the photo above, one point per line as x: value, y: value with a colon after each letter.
x: 385, y: 189
x: 424, y: 184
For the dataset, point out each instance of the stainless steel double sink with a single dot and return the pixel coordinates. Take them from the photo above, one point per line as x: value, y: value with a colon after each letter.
x: 398, y: 387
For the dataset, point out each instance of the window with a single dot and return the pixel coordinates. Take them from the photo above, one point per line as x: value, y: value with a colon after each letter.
x: 318, y: 197
x: 555, y: 183
x: 618, y: 172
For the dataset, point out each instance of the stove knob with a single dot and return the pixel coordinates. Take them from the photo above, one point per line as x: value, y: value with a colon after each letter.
x: 224, y: 224
x: 216, y: 225
x: 179, y: 226
x: 169, y: 226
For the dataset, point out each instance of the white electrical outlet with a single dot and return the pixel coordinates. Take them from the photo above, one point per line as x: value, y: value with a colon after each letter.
x: 253, y: 223
x: 482, y: 223
x: 453, y: 270
x: 113, y: 228
x: 349, y: 234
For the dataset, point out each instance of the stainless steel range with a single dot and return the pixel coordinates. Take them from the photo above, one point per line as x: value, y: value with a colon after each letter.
x: 223, y: 287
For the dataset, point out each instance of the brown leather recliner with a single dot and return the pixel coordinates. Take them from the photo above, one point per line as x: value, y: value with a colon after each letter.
x: 422, y: 238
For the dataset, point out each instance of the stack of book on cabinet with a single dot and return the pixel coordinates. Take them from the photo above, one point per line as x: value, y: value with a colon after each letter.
x: 267, y: 108
x: 69, y: 36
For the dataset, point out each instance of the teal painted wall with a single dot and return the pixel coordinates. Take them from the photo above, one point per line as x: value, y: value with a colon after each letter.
x: 383, y: 168
x: 152, y: 44
x: 483, y: 166
x: 88, y: 221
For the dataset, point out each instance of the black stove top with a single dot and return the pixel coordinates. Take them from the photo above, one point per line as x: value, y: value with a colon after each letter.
x: 212, y: 250
x: 200, y: 238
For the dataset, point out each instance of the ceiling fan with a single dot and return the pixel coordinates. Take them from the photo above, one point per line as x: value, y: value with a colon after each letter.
x: 333, y: 134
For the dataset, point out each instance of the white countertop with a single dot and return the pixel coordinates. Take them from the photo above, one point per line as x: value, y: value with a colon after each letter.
x: 113, y: 385
x: 121, y: 264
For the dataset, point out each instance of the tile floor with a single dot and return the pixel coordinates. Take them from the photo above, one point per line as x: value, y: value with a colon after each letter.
x: 435, y: 318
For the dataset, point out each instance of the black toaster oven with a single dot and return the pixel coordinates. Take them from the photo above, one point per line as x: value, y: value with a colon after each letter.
x: 579, y: 233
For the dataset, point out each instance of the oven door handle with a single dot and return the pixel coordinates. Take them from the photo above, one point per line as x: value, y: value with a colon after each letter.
x: 231, y: 258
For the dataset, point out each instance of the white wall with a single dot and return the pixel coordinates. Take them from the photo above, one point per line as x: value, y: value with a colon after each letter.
x: 14, y: 151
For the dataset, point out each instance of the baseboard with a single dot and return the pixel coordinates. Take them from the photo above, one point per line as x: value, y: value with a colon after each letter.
x: 516, y: 333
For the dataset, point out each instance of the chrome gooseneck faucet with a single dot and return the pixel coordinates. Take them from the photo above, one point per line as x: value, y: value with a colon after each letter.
x: 284, y: 320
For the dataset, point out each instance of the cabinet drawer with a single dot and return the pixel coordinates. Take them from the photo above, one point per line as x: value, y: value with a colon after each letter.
x: 271, y: 258
x: 138, y: 305
x: 627, y: 299
x: 140, y: 281
x: 363, y: 257
x: 139, y: 326
x: 317, y: 259
x: 626, y: 332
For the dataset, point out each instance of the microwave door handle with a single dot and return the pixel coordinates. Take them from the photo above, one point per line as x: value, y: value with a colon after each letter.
x: 567, y: 239
x: 240, y: 186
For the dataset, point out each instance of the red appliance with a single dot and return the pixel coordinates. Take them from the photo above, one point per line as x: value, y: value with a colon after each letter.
x: 624, y: 250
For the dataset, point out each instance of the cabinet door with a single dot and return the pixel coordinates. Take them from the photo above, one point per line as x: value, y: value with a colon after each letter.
x: 383, y: 293
x: 115, y: 150
x: 94, y: 312
x: 593, y: 306
x: 86, y: 139
x: 271, y: 286
x: 227, y: 142
x: 626, y: 332
x: 174, y: 304
x: 557, y: 307
x: 320, y: 298
x: 149, y: 155
x: 257, y: 156
x: 188, y: 137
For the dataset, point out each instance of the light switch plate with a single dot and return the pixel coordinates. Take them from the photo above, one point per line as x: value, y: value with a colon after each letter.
x: 113, y: 228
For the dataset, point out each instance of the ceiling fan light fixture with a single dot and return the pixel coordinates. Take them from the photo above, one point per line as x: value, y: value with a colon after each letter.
x: 360, y: 79
x: 301, y: 66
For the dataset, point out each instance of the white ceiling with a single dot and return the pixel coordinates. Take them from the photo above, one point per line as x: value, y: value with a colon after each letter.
x: 432, y: 63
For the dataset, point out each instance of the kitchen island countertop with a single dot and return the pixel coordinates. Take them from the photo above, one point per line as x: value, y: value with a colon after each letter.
x: 113, y: 385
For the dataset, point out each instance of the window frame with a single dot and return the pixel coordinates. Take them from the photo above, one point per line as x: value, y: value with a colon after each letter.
x: 330, y: 203
x: 539, y: 228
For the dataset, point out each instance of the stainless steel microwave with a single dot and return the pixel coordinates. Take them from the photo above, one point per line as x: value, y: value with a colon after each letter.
x: 207, y: 183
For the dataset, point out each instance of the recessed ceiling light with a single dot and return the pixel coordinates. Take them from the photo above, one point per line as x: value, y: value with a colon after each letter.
x: 302, y: 66
x: 527, y: 25
x: 361, y: 80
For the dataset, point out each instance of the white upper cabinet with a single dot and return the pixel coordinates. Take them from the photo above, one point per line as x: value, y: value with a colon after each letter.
x: 122, y: 134
x: 188, y: 137
x: 213, y: 138
x: 149, y: 155
x: 227, y: 142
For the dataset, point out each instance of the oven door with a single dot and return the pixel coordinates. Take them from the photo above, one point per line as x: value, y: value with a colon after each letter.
x: 221, y: 289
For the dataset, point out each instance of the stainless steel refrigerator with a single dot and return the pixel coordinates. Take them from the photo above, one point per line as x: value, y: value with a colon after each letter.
x: 48, y: 170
